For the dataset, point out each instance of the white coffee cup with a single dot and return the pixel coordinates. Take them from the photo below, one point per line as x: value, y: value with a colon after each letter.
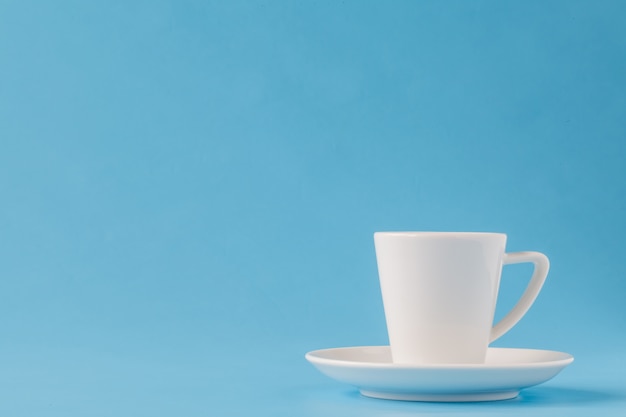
x: 439, y: 293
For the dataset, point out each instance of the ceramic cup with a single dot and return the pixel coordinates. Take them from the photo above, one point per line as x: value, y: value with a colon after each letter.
x: 439, y: 293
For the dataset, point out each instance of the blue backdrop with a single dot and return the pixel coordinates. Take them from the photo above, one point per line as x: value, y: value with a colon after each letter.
x: 189, y: 191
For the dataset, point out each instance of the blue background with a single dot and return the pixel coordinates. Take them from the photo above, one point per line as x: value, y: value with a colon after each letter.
x: 189, y: 190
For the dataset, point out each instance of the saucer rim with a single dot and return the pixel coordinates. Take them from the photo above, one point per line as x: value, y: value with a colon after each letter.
x: 313, y: 358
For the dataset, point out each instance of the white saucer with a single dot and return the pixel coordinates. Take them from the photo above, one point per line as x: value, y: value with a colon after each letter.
x: 501, y: 377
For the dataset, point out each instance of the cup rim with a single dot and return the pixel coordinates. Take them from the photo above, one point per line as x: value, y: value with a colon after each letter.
x: 436, y: 234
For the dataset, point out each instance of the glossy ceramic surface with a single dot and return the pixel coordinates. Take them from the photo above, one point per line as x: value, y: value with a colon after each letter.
x: 439, y: 290
x: 502, y: 376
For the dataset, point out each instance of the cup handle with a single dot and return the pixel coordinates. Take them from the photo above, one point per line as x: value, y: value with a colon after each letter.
x: 542, y: 265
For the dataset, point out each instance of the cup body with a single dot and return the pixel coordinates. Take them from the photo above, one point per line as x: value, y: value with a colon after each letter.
x: 439, y: 293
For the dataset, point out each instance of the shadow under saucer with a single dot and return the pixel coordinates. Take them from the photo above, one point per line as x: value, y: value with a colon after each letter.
x: 546, y: 396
